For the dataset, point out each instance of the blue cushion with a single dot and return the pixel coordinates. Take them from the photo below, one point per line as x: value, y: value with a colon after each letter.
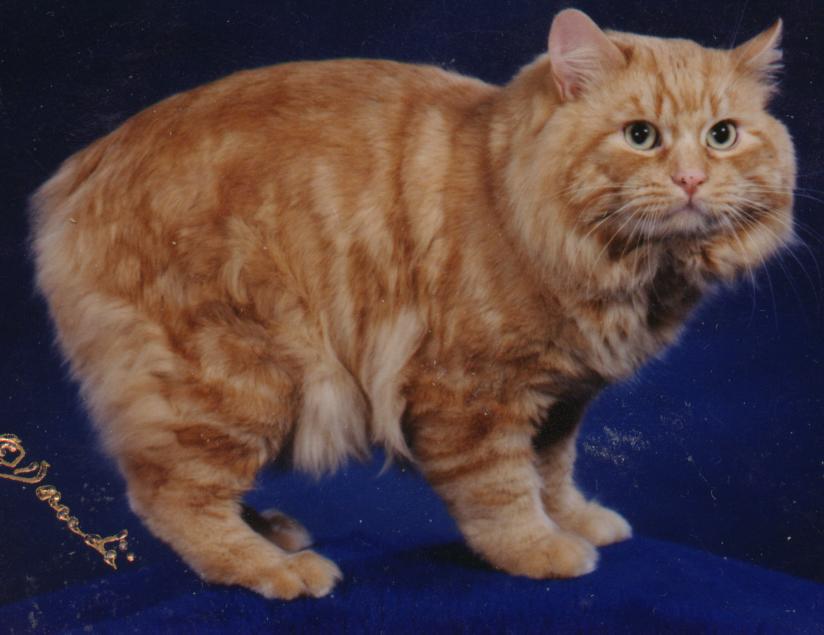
x: 406, y: 570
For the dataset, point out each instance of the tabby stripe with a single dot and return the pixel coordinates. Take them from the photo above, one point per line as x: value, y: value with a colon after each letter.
x: 439, y: 477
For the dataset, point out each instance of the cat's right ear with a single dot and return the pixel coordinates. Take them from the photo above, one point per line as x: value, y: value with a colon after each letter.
x: 580, y: 53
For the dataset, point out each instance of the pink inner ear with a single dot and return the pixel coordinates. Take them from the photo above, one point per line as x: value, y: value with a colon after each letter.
x: 579, y: 52
x: 571, y: 32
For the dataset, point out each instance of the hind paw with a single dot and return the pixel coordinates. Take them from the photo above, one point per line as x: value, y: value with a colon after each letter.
x: 283, y: 530
x: 301, y: 574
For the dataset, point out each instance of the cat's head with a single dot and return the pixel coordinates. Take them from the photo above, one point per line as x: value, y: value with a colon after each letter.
x: 656, y: 140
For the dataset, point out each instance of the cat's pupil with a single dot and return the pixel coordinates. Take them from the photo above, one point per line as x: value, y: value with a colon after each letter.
x: 639, y: 132
x: 721, y: 133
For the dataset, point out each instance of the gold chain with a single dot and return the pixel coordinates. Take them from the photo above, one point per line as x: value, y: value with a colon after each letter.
x: 12, y: 454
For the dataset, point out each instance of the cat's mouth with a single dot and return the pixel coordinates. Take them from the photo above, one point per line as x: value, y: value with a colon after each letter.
x: 686, y: 218
x: 692, y: 206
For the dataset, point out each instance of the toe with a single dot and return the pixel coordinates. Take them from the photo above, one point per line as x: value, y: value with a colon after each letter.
x: 602, y: 526
x: 318, y: 574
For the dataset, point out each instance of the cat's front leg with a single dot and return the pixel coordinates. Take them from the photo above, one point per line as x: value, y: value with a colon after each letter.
x: 482, y: 464
x: 563, y: 501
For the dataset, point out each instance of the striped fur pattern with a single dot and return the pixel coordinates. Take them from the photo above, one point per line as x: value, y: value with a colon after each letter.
x: 308, y: 259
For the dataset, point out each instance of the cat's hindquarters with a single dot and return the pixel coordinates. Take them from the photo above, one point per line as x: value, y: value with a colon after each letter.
x: 187, y: 463
x: 189, y: 404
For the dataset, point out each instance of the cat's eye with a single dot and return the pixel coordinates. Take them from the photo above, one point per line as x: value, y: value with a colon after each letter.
x: 641, y: 135
x: 722, y: 136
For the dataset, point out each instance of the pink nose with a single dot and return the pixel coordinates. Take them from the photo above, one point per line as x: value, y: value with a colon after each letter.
x: 689, y: 180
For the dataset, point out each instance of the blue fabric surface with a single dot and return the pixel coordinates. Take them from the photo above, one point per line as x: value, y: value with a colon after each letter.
x: 407, y: 571
x: 714, y: 453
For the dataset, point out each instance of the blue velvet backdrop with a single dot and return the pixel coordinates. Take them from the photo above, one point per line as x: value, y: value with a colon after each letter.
x: 717, y: 447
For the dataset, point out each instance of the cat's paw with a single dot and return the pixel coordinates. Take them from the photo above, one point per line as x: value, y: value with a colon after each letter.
x: 556, y: 554
x: 274, y: 525
x: 303, y: 573
x: 285, y: 531
x: 597, y: 524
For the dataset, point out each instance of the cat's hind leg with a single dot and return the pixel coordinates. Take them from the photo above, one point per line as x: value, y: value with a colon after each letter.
x: 187, y: 489
x: 190, y: 430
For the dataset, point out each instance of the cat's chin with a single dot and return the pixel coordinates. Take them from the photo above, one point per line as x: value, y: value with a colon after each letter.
x: 683, y: 220
x: 692, y: 219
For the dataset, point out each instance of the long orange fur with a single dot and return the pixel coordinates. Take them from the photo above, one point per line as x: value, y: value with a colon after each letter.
x: 316, y: 257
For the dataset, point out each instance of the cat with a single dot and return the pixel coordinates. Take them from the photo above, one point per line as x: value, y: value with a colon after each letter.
x: 308, y: 259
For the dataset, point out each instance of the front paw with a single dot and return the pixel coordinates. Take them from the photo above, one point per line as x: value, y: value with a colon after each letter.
x: 553, y: 554
x: 597, y: 524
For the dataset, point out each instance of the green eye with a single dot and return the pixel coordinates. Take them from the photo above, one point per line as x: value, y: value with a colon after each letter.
x: 722, y: 135
x: 641, y: 135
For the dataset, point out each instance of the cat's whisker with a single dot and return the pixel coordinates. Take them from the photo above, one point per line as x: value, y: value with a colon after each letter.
x: 769, y: 283
x: 646, y: 255
x: 748, y: 205
x: 737, y: 222
x: 609, y: 214
x: 751, y: 225
x: 651, y: 262
x: 609, y: 242
x: 608, y: 190
x: 783, y: 188
x: 787, y: 224
x: 797, y: 193
x: 790, y: 224
x: 604, y: 218
x: 638, y: 224
x: 584, y: 244
x: 733, y: 223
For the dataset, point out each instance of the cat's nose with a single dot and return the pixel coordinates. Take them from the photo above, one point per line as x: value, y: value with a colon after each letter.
x: 689, y: 180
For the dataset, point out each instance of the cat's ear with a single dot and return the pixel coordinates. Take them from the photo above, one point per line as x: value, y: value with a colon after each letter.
x: 761, y: 55
x: 580, y: 53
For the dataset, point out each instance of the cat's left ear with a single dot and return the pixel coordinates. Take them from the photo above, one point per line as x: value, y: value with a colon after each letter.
x: 761, y: 55
x: 580, y: 53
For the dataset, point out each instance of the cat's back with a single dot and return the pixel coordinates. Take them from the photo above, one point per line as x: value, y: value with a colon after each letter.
x: 313, y: 105
x: 308, y: 100
x: 277, y: 123
x: 275, y: 138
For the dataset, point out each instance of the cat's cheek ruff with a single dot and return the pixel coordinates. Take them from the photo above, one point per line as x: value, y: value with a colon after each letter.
x: 764, y: 231
x: 731, y: 255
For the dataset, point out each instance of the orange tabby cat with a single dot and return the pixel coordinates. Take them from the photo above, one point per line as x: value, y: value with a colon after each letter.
x: 314, y: 257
